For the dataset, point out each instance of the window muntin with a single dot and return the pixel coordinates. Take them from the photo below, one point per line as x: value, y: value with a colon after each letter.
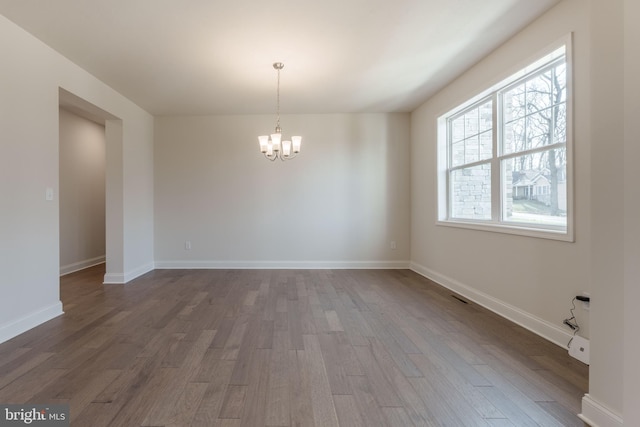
x: 506, y: 153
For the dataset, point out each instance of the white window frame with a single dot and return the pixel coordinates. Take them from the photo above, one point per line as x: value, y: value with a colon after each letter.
x: 496, y: 224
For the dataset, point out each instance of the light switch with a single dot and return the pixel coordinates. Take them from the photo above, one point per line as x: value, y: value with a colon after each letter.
x: 49, y: 194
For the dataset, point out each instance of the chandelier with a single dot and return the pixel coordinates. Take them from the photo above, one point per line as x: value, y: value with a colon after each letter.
x: 272, y: 146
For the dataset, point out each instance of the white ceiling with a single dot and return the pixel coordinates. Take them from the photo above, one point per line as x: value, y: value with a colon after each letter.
x: 192, y: 57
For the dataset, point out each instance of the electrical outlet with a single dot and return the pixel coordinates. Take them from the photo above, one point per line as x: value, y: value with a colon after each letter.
x: 579, y: 349
x: 187, y: 245
x: 392, y: 244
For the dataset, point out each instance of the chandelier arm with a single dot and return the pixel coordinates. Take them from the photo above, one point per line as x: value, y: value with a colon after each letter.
x: 272, y: 157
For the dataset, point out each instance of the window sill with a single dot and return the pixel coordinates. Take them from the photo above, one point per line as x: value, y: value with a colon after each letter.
x: 564, y: 235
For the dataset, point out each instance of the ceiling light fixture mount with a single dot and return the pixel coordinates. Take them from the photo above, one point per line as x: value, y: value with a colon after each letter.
x: 272, y: 146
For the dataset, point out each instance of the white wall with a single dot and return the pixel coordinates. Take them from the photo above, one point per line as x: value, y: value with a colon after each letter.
x: 339, y: 204
x: 82, y: 192
x: 529, y: 280
x: 30, y: 78
x: 137, y: 198
x: 631, y: 209
x: 607, y: 202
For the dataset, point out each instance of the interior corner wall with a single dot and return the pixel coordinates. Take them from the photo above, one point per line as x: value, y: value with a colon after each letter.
x: 529, y: 280
x: 607, y: 208
x: 631, y: 409
x: 82, y: 192
x: 30, y: 78
x: 340, y: 203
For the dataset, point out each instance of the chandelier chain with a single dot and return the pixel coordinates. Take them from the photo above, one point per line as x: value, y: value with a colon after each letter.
x: 278, y: 100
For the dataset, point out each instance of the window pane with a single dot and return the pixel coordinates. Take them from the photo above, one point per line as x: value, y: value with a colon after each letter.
x: 471, y: 192
x: 457, y: 129
x: 538, y: 125
x: 471, y: 135
x: 457, y: 154
x: 539, y: 92
x: 471, y: 122
x: 486, y: 145
x: 471, y: 149
x: 560, y: 129
x: 534, y: 189
x: 514, y: 103
x: 534, y: 112
x: 514, y: 136
x: 485, y: 114
x: 560, y: 83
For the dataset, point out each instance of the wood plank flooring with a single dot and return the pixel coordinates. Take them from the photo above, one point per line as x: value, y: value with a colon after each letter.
x: 287, y: 348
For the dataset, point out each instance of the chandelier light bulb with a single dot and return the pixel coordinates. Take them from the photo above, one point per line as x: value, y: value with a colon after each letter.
x: 286, y: 148
x: 264, y: 141
x: 275, y: 140
x: 295, y: 142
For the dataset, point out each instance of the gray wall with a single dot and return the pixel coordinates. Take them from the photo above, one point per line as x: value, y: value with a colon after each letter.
x: 631, y: 208
x: 82, y: 192
x: 340, y: 203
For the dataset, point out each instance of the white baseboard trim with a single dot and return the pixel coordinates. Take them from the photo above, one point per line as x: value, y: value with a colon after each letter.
x: 113, y: 279
x: 541, y: 327
x: 597, y: 415
x: 137, y: 272
x: 122, y: 278
x: 284, y: 265
x: 17, y: 327
x: 81, y: 265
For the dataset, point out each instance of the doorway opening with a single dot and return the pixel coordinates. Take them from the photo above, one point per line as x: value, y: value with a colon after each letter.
x: 89, y: 186
x: 82, y: 190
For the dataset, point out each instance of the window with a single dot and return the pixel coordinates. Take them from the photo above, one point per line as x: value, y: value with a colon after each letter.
x: 504, y: 156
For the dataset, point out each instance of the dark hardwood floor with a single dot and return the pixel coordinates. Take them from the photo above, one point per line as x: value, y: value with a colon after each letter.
x: 287, y: 348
